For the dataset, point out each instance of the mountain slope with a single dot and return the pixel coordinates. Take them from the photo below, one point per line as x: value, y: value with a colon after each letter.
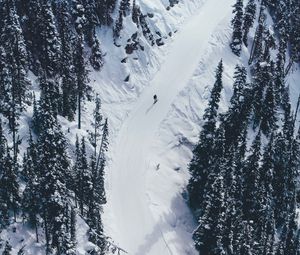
x: 139, y: 228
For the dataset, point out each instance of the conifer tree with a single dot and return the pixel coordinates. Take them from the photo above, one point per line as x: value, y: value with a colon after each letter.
x: 50, y: 47
x: 257, y: 47
x: 262, y: 77
x: 83, y: 178
x: 9, y: 186
x: 237, y: 22
x: 104, y: 11
x: 31, y: 196
x: 247, y: 241
x: 118, y: 26
x: 81, y: 75
x: 251, y: 177
x: 237, y: 118
x: 203, y: 152
x: 96, y: 57
x: 279, y: 82
x: 5, y: 81
x: 91, y: 21
x: 248, y: 20
x: 16, y: 56
x: 15, y: 82
x: 268, y: 118
x: 68, y: 80
x: 4, y: 214
x: 209, y: 236
x: 53, y: 163
x: 96, y: 124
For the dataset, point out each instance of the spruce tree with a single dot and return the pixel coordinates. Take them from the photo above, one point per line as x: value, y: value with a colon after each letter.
x: 257, y: 47
x: 96, y: 124
x: 53, y: 163
x: 237, y: 22
x: 96, y: 57
x: 9, y: 186
x: 268, y: 118
x: 4, y: 214
x: 16, y: 56
x: 237, y: 118
x: 50, y: 47
x: 81, y: 75
x: 104, y: 10
x: 31, y: 195
x: 83, y: 178
x: 251, y: 177
x: 68, y: 80
x: 209, y: 236
x: 248, y: 20
x: 203, y: 152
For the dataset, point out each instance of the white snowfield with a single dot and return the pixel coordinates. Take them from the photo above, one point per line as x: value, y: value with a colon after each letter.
x: 139, y: 229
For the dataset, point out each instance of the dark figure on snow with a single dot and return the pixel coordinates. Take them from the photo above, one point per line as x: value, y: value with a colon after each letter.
x: 155, y: 98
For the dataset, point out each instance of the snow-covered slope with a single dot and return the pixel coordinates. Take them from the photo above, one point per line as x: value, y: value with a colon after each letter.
x: 150, y: 144
x: 148, y: 215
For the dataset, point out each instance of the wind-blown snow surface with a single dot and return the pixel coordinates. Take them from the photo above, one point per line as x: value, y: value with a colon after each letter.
x: 147, y: 212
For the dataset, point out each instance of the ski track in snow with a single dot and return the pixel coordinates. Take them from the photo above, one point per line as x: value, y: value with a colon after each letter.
x: 138, y: 230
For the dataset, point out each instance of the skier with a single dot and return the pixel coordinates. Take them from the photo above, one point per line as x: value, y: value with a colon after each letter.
x: 155, y: 99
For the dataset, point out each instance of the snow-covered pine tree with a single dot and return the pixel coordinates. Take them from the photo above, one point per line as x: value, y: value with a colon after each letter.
x: 250, y: 177
x: 53, y: 164
x: 136, y: 13
x: 15, y: 82
x: 279, y: 81
x: 31, y: 197
x: 268, y: 118
x: 5, y: 80
x: 30, y: 11
x: 50, y: 44
x: 83, y: 178
x: 295, y: 31
x: 82, y: 80
x: 104, y: 9
x: 209, y: 236
x: 118, y: 26
x: 9, y: 186
x: 203, y: 152
x: 96, y: 124
x: 13, y: 42
x: 237, y: 23
x: 4, y: 214
x: 96, y: 57
x: 257, y: 46
x: 68, y: 75
x: 91, y: 21
x: 98, y: 177
x: 237, y: 118
x: 246, y: 241
x: 248, y: 20
x: 261, y: 77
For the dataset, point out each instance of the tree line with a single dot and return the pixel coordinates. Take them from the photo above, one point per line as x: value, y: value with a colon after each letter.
x: 245, y: 168
x: 50, y: 186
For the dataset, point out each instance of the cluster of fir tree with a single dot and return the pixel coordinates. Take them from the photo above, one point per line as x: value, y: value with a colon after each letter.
x: 243, y: 189
x: 48, y: 38
x: 286, y: 17
x: 54, y: 187
x: 137, y: 17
